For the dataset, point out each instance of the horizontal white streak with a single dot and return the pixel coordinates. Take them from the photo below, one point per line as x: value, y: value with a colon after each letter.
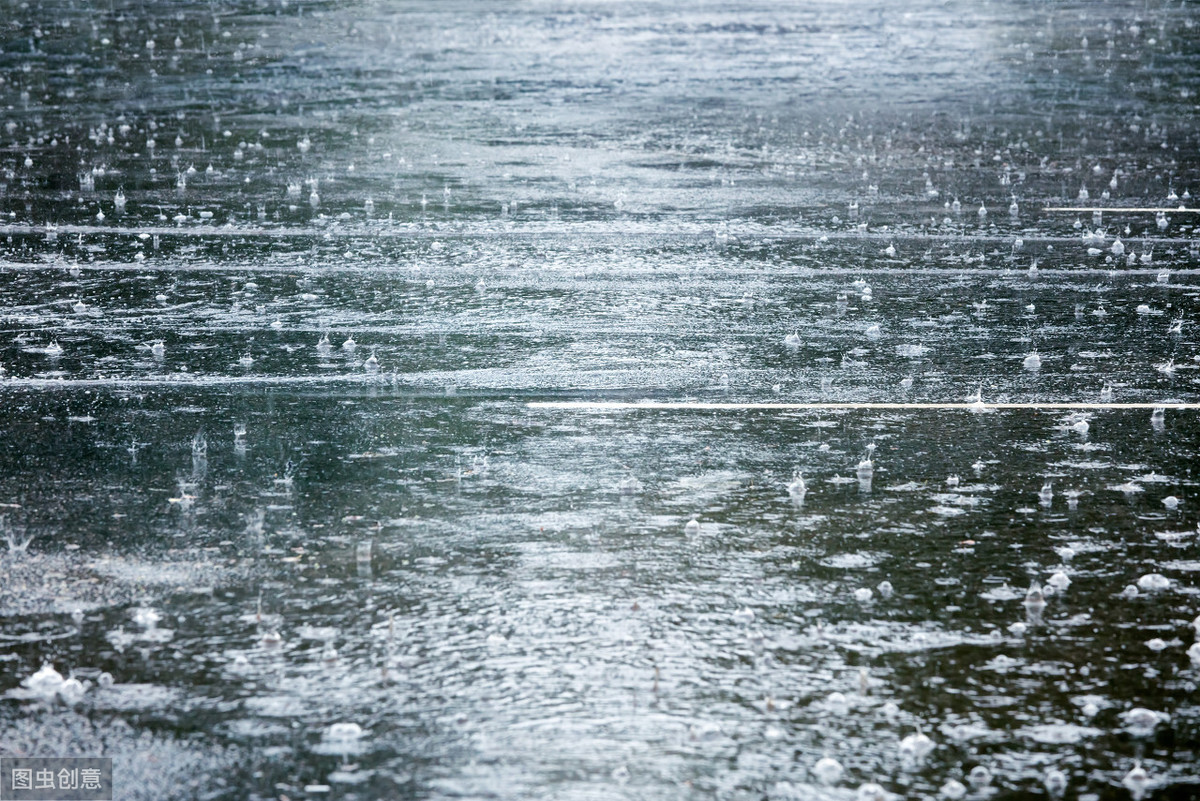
x: 1115, y: 209
x: 784, y: 407
x: 405, y: 233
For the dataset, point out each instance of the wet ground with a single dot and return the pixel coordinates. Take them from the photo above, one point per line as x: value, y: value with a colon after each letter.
x: 309, y: 313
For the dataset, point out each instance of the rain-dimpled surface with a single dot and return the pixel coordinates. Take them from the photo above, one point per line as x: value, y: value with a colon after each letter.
x: 279, y: 281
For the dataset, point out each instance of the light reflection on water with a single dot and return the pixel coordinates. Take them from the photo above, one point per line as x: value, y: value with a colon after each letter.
x: 303, y: 571
x: 512, y: 601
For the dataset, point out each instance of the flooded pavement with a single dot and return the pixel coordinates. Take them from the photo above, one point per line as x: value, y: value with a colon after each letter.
x: 602, y: 400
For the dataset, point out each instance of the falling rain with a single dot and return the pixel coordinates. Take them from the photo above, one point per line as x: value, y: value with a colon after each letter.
x: 602, y: 400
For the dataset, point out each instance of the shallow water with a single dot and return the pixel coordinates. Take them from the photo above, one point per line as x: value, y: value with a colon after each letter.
x: 264, y: 539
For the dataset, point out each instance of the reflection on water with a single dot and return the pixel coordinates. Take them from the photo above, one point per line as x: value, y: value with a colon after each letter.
x: 279, y: 281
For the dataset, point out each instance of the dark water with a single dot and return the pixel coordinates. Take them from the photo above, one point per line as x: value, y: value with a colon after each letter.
x: 390, y: 570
